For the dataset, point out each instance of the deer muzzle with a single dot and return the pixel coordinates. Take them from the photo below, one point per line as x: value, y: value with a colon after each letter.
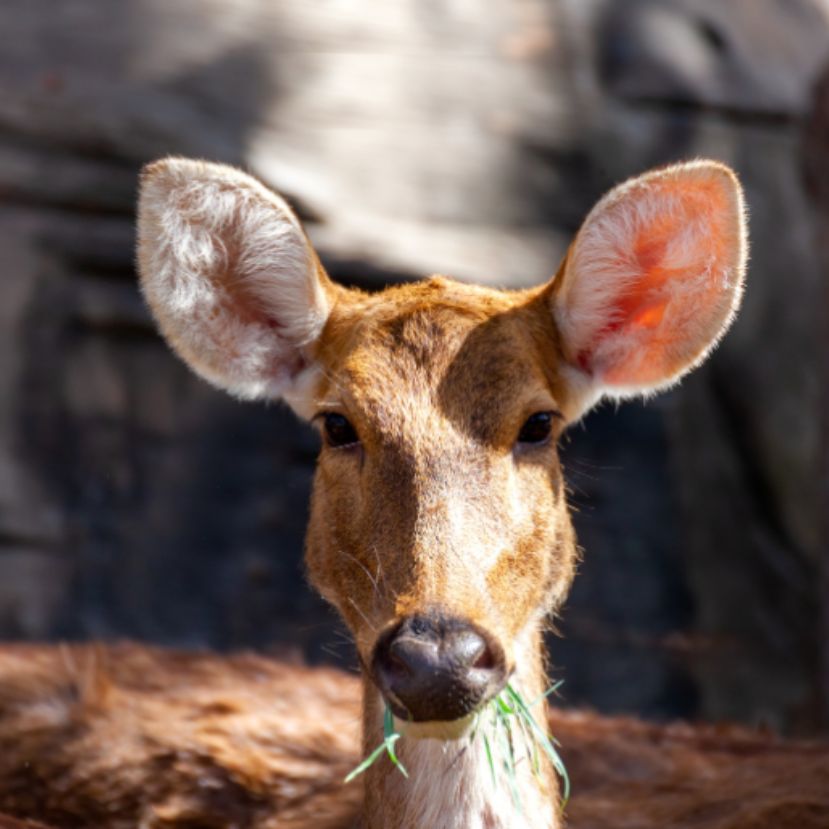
x: 436, y: 668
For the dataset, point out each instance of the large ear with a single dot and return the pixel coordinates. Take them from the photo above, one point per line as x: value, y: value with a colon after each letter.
x: 651, y: 282
x: 228, y: 273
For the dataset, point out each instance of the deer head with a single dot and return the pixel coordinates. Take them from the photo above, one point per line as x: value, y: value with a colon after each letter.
x: 439, y: 526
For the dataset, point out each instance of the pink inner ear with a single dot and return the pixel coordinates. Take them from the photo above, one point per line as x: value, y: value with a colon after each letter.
x: 674, y: 251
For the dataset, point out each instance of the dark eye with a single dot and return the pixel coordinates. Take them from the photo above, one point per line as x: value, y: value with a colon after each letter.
x: 537, y: 428
x: 338, y: 431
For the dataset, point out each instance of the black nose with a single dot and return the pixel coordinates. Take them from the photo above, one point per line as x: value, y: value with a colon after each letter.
x: 437, y: 668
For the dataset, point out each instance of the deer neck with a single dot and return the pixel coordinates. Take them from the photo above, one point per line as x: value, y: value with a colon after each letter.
x: 450, y: 783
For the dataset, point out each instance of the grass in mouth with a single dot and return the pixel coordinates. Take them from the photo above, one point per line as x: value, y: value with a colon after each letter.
x: 390, y: 737
x: 510, y: 735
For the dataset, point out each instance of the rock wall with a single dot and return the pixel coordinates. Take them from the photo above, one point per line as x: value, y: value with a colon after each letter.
x: 412, y: 137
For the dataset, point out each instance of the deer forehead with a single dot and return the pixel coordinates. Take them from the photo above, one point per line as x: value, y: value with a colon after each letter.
x: 439, y: 362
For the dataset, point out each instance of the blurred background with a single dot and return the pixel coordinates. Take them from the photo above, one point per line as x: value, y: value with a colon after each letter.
x: 416, y: 136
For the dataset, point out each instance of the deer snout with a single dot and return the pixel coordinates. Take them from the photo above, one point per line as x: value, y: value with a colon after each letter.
x: 437, y: 668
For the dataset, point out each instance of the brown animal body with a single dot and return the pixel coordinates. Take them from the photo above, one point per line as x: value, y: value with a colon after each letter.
x: 128, y: 736
x: 8, y: 822
x: 439, y: 525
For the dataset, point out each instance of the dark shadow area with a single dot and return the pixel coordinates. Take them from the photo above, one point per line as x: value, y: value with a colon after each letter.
x: 626, y: 628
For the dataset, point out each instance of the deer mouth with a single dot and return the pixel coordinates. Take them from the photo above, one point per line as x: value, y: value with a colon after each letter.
x: 437, y: 730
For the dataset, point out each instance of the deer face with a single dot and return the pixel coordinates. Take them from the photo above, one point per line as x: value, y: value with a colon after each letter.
x: 439, y: 526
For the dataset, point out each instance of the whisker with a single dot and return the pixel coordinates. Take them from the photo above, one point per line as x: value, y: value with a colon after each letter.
x: 379, y: 574
x: 359, y: 610
x: 365, y: 569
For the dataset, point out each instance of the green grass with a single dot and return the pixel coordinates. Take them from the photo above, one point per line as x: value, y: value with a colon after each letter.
x: 510, y: 735
x: 390, y: 737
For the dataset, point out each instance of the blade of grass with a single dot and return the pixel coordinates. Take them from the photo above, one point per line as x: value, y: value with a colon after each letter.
x: 503, y: 705
x: 488, y: 750
x: 476, y: 724
x: 389, y: 744
x: 505, y: 730
x: 530, y: 744
x: 544, y: 737
x: 544, y: 740
x: 368, y: 762
x: 549, y: 692
x: 390, y: 737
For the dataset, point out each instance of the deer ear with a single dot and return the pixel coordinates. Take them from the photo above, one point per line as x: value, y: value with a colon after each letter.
x: 651, y: 282
x: 229, y: 275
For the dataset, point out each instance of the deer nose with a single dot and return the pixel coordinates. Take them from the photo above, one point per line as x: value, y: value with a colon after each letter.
x: 437, y: 668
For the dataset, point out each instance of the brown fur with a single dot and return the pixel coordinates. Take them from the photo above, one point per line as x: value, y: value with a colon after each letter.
x: 128, y: 736
x: 437, y: 378
x: 7, y: 822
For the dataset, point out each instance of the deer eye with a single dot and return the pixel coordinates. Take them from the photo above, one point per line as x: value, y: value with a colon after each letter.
x: 338, y: 431
x: 537, y: 428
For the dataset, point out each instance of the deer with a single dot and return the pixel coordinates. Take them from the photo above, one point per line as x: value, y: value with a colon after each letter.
x: 439, y: 527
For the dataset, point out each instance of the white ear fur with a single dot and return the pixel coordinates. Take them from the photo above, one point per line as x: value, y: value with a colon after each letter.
x: 229, y: 275
x: 651, y: 282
